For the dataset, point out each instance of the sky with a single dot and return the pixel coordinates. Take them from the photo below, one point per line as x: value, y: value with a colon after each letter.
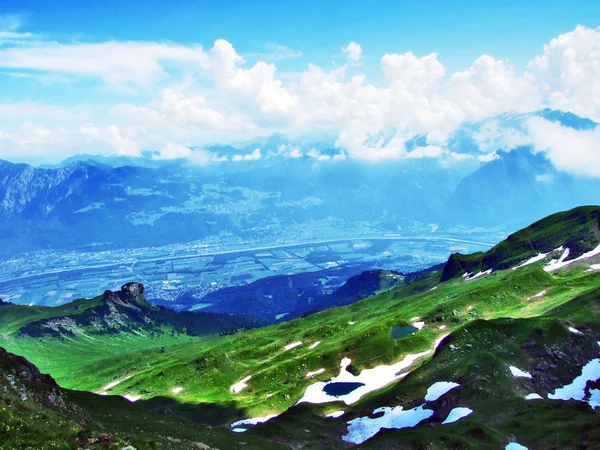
x: 122, y: 77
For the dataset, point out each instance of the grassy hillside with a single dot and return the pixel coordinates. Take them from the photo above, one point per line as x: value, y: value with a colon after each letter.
x: 517, y: 317
x: 577, y: 229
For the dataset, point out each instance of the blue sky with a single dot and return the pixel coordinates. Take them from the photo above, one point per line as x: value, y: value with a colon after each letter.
x: 290, y: 44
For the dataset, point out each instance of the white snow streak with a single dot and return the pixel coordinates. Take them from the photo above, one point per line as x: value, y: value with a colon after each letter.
x: 518, y: 373
x: 292, y: 345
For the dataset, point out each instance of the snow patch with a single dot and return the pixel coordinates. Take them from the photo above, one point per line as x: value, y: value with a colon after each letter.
x: 595, y: 267
x: 562, y: 263
x: 111, y: 385
x: 436, y: 390
x: 515, y: 446
x: 456, y: 414
x: 372, y: 380
x: 132, y: 398
x: 240, y: 385
x: 535, y: 259
x: 362, y: 429
x: 418, y: 325
x: 443, y: 327
x: 335, y: 414
x: 239, y: 430
x: 351, y: 323
x: 253, y: 421
x: 414, y: 318
x: 574, y: 330
x: 480, y: 274
x: 292, y: 345
x: 314, y: 345
x: 518, y: 373
x: 176, y: 390
x: 316, y: 372
x: 533, y: 396
x: 576, y: 390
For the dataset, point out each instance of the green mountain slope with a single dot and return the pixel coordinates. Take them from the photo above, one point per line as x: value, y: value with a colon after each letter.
x: 514, y: 316
x: 577, y: 229
x: 37, y: 413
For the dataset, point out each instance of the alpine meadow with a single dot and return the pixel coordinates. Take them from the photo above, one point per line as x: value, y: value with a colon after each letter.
x: 299, y: 225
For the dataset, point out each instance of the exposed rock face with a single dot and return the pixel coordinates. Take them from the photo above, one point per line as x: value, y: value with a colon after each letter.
x: 133, y: 290
x: 20, y: 367
x: 128, y: 311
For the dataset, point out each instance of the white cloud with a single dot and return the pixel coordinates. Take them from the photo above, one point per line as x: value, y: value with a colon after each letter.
x: 122, y: 146
x: 215, y: 96
x: 569, y: 70
x: 574, y: 151
x: 353, y: 52
x: 248, y: 157
x: 492, y: 136
x: 415, y: 74
x: 173, y: 151
x: 9, y: 26
x: 118, y: 64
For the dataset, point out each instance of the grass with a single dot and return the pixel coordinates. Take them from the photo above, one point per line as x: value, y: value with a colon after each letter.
x: 491, y: 319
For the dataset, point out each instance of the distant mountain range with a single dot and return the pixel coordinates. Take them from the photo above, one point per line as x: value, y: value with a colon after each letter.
x: 119, y: 202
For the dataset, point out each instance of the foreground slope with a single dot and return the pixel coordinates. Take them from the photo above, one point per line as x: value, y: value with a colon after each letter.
x: 467, y: 329
x: 37, y: 413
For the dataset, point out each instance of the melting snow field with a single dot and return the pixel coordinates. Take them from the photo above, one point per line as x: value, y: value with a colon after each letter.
x: 372, y: 380
x: 480, y: 274
x: 438, y: 389
x: 518, y: 373
x: 240, y: 385
x: 576, y: 390
x: 533, y: 396
x: 363, y: 428
x: 456, y: 414
x: 335, y: 414
x: 535, y: 259
x: 292, y: 345
x: 554, y: 265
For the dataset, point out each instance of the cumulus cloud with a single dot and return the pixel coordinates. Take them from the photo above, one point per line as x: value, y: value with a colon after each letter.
x: 216, y: 96
x: 172, y: 151
x: 574, y: 151
x: 248, y: 157
x: 353, y: 52
x: 569, y: 69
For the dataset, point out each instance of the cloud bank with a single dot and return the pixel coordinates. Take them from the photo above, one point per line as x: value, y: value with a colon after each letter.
x: 172, y: 97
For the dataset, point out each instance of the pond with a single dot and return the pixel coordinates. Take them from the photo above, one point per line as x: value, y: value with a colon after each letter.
x: 400, y: 332
x: 339, y: 389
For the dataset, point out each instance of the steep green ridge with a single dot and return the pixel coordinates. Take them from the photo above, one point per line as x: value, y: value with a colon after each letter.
x: 577, y: 229
x: 36, y: 413
x: 515, y: 317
